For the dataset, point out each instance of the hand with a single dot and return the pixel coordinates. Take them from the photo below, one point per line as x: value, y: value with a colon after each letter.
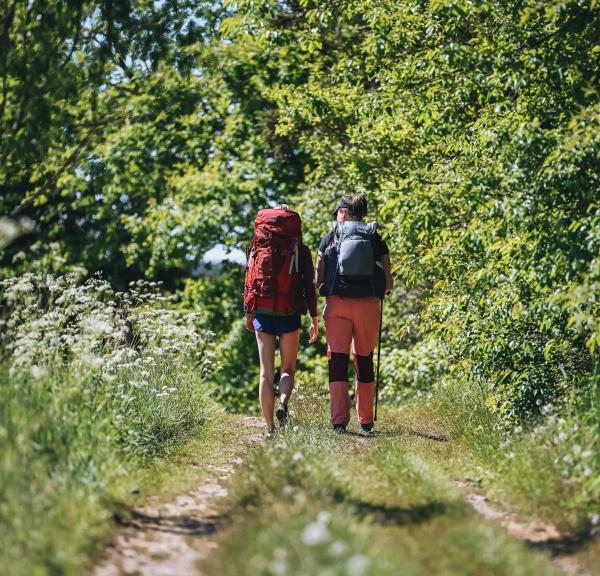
x: 250, y: 322
x: 313, y: 331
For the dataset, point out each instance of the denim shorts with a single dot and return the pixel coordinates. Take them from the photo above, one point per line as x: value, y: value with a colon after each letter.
x: 276, y: 325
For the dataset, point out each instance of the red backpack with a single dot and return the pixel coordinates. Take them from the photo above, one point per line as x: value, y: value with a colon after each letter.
x: 273, y: 280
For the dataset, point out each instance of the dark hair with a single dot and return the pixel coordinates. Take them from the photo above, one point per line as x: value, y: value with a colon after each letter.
x: 357, y: 203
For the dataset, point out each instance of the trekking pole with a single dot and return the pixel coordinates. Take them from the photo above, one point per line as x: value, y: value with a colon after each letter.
x: 378, y: 358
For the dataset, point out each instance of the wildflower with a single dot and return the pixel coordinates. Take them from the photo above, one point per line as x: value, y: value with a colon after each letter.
x: 595, y: 519
x: 297, y: 456
x: 337, y: 548
x: 324, y: 517
x: 587, y: 472
x: 37, y: 372
x: 315, y: 533
x: 97, y: 326
x: 518, y: 429
x: 577, y: 449
x: 568, y: 459
x: 278, y: 567
x: 92, y: 360
x: 562, y: 436
x: 358, y: 565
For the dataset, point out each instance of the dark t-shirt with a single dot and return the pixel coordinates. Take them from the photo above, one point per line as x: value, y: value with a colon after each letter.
x: 381, y: 248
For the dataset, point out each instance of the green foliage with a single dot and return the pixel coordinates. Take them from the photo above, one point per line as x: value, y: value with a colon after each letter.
x: 95, y: 385
x: 136, y: 142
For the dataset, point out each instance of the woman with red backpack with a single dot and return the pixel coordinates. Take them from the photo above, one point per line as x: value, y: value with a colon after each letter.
x: 354, y: 274
x: 278, y: 289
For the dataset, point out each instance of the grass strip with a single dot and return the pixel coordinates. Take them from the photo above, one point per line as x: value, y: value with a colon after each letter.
x: 315, y: 502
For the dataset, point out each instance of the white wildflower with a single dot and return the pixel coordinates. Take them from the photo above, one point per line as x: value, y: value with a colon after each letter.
x: 297, y: 456
x: 92, y: 360
x: 577, y: 449
x: 338, y: 548
x: 324, y: 517
x: 37, y: 372
x: 315, y: 533
x: 358, y: 565
x: 278, y: 567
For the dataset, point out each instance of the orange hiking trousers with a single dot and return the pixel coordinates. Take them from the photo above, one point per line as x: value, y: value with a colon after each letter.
x: 351, y: 321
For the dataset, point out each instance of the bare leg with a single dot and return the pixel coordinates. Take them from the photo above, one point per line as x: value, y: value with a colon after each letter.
x: 288, y: 348
x: 266, y: 353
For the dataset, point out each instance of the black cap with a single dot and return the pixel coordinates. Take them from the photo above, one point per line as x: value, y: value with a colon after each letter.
x: 342, y: 205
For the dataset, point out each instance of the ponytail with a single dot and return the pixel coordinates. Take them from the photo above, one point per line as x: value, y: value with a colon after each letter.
x: 357, y: 203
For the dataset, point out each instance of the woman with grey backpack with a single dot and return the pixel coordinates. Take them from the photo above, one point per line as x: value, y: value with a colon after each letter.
x: 353, y: 273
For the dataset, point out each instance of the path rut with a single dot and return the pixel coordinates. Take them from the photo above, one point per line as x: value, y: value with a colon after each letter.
x: 537, y: 534
x: 170, y: 539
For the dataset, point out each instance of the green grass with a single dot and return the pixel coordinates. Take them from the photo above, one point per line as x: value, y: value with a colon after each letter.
x: 68, y: 462
x: 314, y: 502
x: 549, y: 469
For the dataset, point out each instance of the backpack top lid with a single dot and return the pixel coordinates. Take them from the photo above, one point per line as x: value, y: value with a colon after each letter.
x: 353, y: 228
x: 278, y: 221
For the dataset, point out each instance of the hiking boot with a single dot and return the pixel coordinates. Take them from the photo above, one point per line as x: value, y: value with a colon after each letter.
x: 282, y: 414
x: 340, y: 428
x: 270, y: 434
x: 366, y: 428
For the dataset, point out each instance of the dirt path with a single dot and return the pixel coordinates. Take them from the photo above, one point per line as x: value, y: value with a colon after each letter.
x: 169, y: 539
x: 562, y: 547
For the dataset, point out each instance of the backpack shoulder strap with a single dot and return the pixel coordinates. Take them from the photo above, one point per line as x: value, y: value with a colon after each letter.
x: 372, y: 227
x: 338, y: 232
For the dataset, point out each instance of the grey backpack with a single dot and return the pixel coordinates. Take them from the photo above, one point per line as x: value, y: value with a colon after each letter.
x: 351, y: 268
